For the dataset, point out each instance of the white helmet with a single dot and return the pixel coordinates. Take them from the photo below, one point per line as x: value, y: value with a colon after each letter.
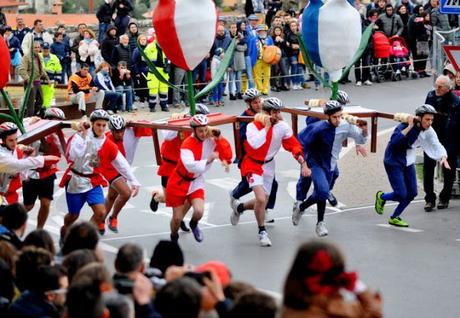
x: 54, y: 113
x: 343, y: 98
x: 116, y: 122
x: 272, y: 103
x: 99, y: 114
x: 250, y: 94
x: 201, y: 109
x: 7, y: 128
x: 198, y: 120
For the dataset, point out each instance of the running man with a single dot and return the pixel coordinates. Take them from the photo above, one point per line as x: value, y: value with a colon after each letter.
x: 40, y: 183
x: 265, y: 136
x: 318, y: 144
x: 170, y: 151
x: 399, y: 160
x: 343, y: 131
x: 125, y: 138
x: 186, y: 183
x: 16, y: 159
x: 254, y: 106
x: 89, y: 152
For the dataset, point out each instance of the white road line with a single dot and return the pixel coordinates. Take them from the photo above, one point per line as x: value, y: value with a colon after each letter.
x: 403, y: 229
x: 226, y: 183
x: 458, y: 240
x: 217, y: 226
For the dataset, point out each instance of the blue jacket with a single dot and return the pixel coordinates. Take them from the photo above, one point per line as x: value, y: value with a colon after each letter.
x: 61, y: 50
x: 317, y: 141
x: 10, y: 237
x: 139, y: 65
x: 31, y: 304
x: 252, y: 47
x: 396, y: 151
x: 14, y: 43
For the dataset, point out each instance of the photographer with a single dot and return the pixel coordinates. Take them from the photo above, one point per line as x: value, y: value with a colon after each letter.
x: 129, y: 262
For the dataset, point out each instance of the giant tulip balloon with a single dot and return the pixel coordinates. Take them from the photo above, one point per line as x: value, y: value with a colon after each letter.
x: 185, y: 30
x: 4, y: 63
x: 332, y: 34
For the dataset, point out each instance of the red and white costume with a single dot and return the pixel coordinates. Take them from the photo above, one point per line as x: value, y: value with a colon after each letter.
x: 12, y: 163
x: 187, y: 181
x: 261, y: 147
x: 170, y: 151
x: 55, y: 149
x: 89, y: 158
x: 127, y: 148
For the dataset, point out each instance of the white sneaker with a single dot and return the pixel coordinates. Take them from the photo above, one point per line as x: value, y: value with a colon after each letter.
x: 296, y: 213
x: 359, y: 83
x: 235, y: 216
x: 264, y: 239
x: 368, y: 83
x: 268, y: 217
x: 403, y: 69
x: 398, y: 72
x: 321, y: 229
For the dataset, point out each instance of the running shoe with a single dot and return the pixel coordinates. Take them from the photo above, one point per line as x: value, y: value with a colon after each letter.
x: 429, y: 206
x: 264, y: 239
x: 184, y: 227
x: 332, y: 199
x: 235, y: 216
x: 443, y: 205
x: 397, y: 221
x: 268, y: 217
x: 198, y: 234
x: 321, y: 229
x: 174, y: 237
x: 153, y: 203
x: 101, y: 228
x: 113, y: 224
x: 296, y: 213
x: 379, y: 202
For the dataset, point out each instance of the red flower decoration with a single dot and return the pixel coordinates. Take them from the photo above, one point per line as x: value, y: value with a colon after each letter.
x: 347, y: 280
x: 321, y: 262
x: 315, y: 287
x: 4, y: 63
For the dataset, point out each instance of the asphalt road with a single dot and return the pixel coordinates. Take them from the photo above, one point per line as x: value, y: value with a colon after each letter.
x: 415, y: 269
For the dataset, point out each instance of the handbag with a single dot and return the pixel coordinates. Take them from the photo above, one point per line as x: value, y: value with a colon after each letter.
x: 422, y: 48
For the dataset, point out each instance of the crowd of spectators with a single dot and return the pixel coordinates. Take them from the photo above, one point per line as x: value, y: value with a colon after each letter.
x: 36, y: 280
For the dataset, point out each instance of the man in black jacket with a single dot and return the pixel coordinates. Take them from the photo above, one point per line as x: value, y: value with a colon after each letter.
x: 14, y: 219
x: 123, y: 8
x: 104, y: 15
x: 108, y: 43
x: 447, y: 104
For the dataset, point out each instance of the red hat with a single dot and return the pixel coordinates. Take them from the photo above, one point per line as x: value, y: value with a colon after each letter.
x: 220, y: 269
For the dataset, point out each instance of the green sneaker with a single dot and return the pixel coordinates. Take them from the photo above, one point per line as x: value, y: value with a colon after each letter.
x: 379, y: 202
x: 397, y: 221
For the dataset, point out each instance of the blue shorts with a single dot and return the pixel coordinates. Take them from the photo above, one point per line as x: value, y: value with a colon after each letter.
x: 75, y: 201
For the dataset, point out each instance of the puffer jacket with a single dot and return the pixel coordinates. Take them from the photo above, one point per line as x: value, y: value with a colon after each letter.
x: 88, y: 50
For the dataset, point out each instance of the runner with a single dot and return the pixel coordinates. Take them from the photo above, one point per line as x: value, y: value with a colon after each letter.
x: 399, y: 160
x: 254, y: 106
x: 126, y: 139
x: 170, y: 151
x: 89, y: 152
x: 197, y: 153
x: 343, y: 131
x: 318, y: 143
x: 265, y: 136
x: 16, y: 159
x: 40, y: 183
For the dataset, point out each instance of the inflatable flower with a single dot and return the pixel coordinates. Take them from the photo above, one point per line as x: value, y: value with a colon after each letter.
x: 4, y: 63
x: 185, y: 30
x: 332, y: 34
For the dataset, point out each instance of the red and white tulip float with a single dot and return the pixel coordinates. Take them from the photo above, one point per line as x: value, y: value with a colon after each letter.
x: 185, y: 31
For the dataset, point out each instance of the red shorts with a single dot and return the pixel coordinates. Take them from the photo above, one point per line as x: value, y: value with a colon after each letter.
x: 173, y: 200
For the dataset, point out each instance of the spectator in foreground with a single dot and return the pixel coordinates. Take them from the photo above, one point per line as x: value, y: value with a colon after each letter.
x: 314, y: 283
x: 14, y: 222
x: 254, y: 304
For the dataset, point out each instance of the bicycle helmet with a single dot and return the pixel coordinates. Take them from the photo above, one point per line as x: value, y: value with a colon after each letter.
x: 54, y: 113
x: 425, y: 109
x: 198, y: 121
x: 272, y: 103
x: 343, y: 98
x: 116, y: 122
x: 7, y: 128
x: 201, y: 109
x: 99, y: 114
x: 332, y: 107
x: 250, y: 94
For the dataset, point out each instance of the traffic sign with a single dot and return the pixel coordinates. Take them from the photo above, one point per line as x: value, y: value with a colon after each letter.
x: 453, y: 54
x: 450, y: 6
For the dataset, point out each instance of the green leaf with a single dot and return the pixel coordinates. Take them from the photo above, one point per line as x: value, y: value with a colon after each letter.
x: 309, y: 62
x: 13, y: 114
x: 362, y: 47
x: 6, y: 117
x: 221, y: 71
x: 154, y: 70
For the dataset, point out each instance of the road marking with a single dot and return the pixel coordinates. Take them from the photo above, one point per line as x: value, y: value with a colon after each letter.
x: 291, y: 173
x: 217, y: 226
x: 404, y: 229
x: 226, y: 183
x: 458, y: 240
